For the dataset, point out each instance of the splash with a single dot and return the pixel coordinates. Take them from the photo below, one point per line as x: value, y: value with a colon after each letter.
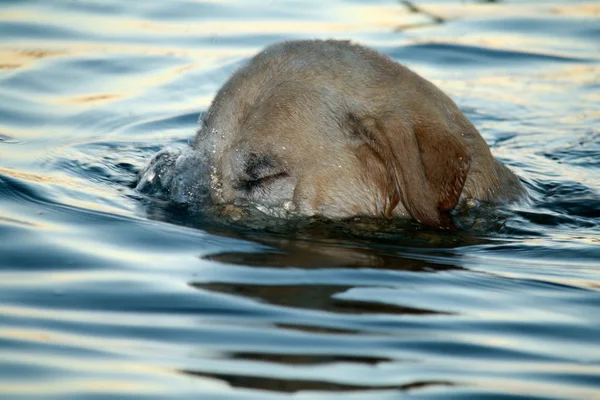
x: 180, y: 175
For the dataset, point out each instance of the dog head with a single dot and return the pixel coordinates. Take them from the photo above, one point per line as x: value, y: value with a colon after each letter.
x: 307, y: 140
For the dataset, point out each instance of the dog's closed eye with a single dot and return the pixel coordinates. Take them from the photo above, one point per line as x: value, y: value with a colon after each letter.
x: 259, y: 172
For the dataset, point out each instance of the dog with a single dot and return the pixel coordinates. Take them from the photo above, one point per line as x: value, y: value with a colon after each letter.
x: 335, y: 129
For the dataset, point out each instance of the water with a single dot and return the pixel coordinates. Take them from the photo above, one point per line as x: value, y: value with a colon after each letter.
x: 108, y: 293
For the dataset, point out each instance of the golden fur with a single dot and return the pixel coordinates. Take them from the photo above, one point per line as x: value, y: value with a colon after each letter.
x: 336, y: 129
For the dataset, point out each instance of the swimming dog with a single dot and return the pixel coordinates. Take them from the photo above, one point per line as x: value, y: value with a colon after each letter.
x: 336, y: 129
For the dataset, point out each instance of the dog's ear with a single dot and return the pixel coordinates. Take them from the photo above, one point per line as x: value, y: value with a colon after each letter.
x: 428, y: 164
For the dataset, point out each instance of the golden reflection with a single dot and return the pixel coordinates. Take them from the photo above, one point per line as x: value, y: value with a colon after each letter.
x: 6, y: 220
x: 97, y: 98
x: 499, y: 9
x: 9, y: 66
x: 26, y: 176
x: 72, y: 385
x: 557, y: 238
x: 92, y: 206
x: 500, y: 42
x: 351, y: 18
x: 136, y: 377
x: 120, y: 318
x: 61, y: 277
x: 69, y: 183
x: 18, y: 58
x: 162, y: 77
x: 123, y: 345
x: 513, y: 388
x: 580, y: 117
x: 592, y: 97
x: 525, y: 91
x: 577, y: 239
x: 83, y: 365
x: 56, y: 48
x: 510, y: 88
x: 573, y: 75
x: 496, y: 265
x: 130, y: 88
x: 585, y: 9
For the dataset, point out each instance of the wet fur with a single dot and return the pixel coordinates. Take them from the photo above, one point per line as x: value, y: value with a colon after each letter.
x: 337, y: 129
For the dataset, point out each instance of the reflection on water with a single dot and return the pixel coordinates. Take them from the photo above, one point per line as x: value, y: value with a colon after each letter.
x: 111, y: 292
x: 293, y: 386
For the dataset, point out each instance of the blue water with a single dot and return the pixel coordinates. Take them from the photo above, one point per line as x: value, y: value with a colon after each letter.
x: 106, y: 292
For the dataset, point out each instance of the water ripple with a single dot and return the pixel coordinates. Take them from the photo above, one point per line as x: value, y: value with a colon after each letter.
x: 108, y: 292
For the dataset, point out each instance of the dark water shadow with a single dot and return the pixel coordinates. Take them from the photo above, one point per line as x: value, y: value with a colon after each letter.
x: 297, y: 385
x: 317, y: 305
x: 310, y: 243
x: 317, y: 244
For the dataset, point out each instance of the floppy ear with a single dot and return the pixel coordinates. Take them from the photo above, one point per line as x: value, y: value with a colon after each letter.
x: 428, y: 164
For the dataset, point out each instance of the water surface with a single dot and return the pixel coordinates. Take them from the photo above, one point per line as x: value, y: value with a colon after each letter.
x: 108, y: 293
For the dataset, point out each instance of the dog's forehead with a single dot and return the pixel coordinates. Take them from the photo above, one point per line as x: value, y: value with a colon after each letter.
x: 264, y: 101
x: 281, y: 114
